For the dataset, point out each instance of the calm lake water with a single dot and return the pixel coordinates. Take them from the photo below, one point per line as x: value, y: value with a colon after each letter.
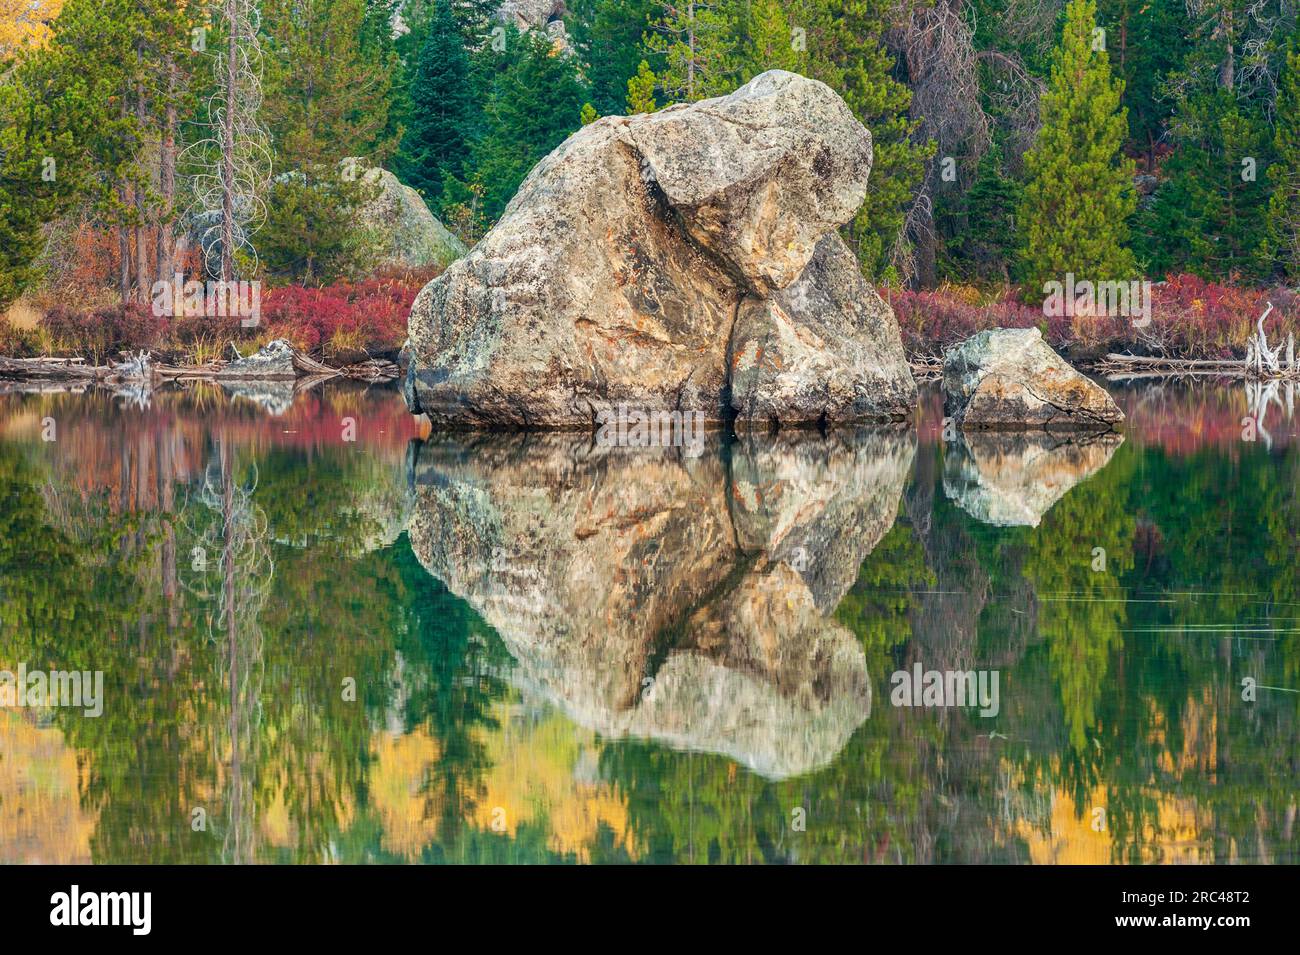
x: 325, y: 640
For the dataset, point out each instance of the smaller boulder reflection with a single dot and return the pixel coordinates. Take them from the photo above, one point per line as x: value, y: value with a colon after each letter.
x: 1014, y: 479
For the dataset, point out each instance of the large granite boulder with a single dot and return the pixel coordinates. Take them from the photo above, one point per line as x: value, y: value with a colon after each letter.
x: 1009, y: 378
x: 826, y: 349
x: 630, y: 255
x: 406, y: 233
x: 655, y: 595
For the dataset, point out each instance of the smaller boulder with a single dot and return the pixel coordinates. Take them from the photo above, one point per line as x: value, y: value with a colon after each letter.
x: 275, y: 359
x: 1008, y: 379
x: 406, y: 233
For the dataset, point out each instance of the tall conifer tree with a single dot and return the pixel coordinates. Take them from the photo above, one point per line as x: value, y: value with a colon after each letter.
x: 1079, y: 194
x: 442, y: 106
x: 1282, y: 247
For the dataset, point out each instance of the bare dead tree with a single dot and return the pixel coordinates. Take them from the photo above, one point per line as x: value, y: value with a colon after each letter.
x: 935, y: 43
x: 232, y: 164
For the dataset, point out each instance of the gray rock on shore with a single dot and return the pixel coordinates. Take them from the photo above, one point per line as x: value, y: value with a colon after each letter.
x: 648, y: 253
x: 274, y: 360
x: 1009, y: 379
x: 406, y: 233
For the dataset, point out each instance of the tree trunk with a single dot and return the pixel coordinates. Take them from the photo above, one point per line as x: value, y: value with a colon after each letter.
x: 163, y: 239
x: 690, y: 60
x: 124, y: 255
x: 123, y: 237
x: 228, y: 149
x: 1228, y: 68
x: 927, y: 271
x: 141, y: 212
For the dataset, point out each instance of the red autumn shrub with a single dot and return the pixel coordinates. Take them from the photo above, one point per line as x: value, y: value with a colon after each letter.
x: 369, y: 315
x: 1190, y: 318
x: 932, y: 320
x: 16, y: 342
x: 102, y: 333
x: 1193, y: 318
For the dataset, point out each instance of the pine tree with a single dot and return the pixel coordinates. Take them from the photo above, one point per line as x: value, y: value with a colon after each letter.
x: 28, y: 196
x: 1210, y: 215
x: 442, y: 107
x: 311, y: 233
x: 1282, y: 246
x: 696, y: 42
x: 377, y: 26
x: 1079, y: 190
x: 103, y: 72
x: 848, y: 55
x: 325, y: 96
x: 641, y: 90
x: 771, y: 41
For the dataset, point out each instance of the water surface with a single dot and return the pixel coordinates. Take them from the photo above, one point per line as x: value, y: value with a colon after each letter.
x: 325, y: 639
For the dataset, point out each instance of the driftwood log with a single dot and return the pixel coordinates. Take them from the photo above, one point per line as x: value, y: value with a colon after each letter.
x: 1260, y: 363
x: 138, y: 367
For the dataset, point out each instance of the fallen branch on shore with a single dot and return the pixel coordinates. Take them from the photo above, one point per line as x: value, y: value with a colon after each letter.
x: 61, y: 368
x: 1261, y: 362
x: 139, y: 369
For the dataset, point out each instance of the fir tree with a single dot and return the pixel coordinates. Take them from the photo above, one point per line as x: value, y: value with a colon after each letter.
x: 1209, y: 216
x: 989, y: 238
x: 535, y: 101
x: 1282, y: 247
x: 377, y: 26
x: 477, y: 19
x: 607, y: 35
x: 1146, y: 40
x: 442, y: 107
x: 1079, y: 190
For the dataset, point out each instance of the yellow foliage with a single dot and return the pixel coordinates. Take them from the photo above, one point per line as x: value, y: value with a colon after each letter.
x: 966, y: 294
x: 403, y: 793
x: 24, y: 24
x: 41, y: 816
x: 543, y: 770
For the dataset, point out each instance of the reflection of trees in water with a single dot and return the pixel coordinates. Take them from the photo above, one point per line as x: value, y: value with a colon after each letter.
x: 232, y: 593
x: 101, y: 579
